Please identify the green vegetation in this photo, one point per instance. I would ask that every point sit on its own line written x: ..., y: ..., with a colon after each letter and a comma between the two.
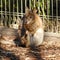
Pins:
x: 41, y: 5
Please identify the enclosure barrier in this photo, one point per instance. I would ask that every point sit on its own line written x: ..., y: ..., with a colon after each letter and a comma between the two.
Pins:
x: 12, y: 10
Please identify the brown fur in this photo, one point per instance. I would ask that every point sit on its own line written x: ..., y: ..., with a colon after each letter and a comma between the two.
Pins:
x: 32, y: 22
x: 35, y: 23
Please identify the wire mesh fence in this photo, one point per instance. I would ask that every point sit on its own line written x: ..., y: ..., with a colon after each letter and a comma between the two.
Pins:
x: 12, y: 10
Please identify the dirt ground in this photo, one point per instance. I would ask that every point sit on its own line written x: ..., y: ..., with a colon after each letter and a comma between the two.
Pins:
x: 49, y: 50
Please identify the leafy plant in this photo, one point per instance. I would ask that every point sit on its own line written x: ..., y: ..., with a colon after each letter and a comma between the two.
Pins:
x: 42, y: 6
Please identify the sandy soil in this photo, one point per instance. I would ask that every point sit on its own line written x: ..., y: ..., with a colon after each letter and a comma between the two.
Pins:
x: 49, y: 50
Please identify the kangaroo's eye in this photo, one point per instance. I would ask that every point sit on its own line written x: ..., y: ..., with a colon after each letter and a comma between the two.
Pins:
x: 30, y: 16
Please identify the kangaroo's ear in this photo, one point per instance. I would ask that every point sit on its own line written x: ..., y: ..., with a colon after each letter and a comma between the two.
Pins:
x: 26, y: 10
x: 34, y: 10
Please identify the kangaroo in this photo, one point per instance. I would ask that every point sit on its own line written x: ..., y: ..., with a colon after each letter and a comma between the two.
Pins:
x: 34, y: 28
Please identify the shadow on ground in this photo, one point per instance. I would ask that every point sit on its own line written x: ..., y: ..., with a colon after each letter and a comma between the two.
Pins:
x: 9, y: 54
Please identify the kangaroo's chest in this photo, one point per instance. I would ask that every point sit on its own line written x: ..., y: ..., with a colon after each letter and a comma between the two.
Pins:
x: 37, y: 38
